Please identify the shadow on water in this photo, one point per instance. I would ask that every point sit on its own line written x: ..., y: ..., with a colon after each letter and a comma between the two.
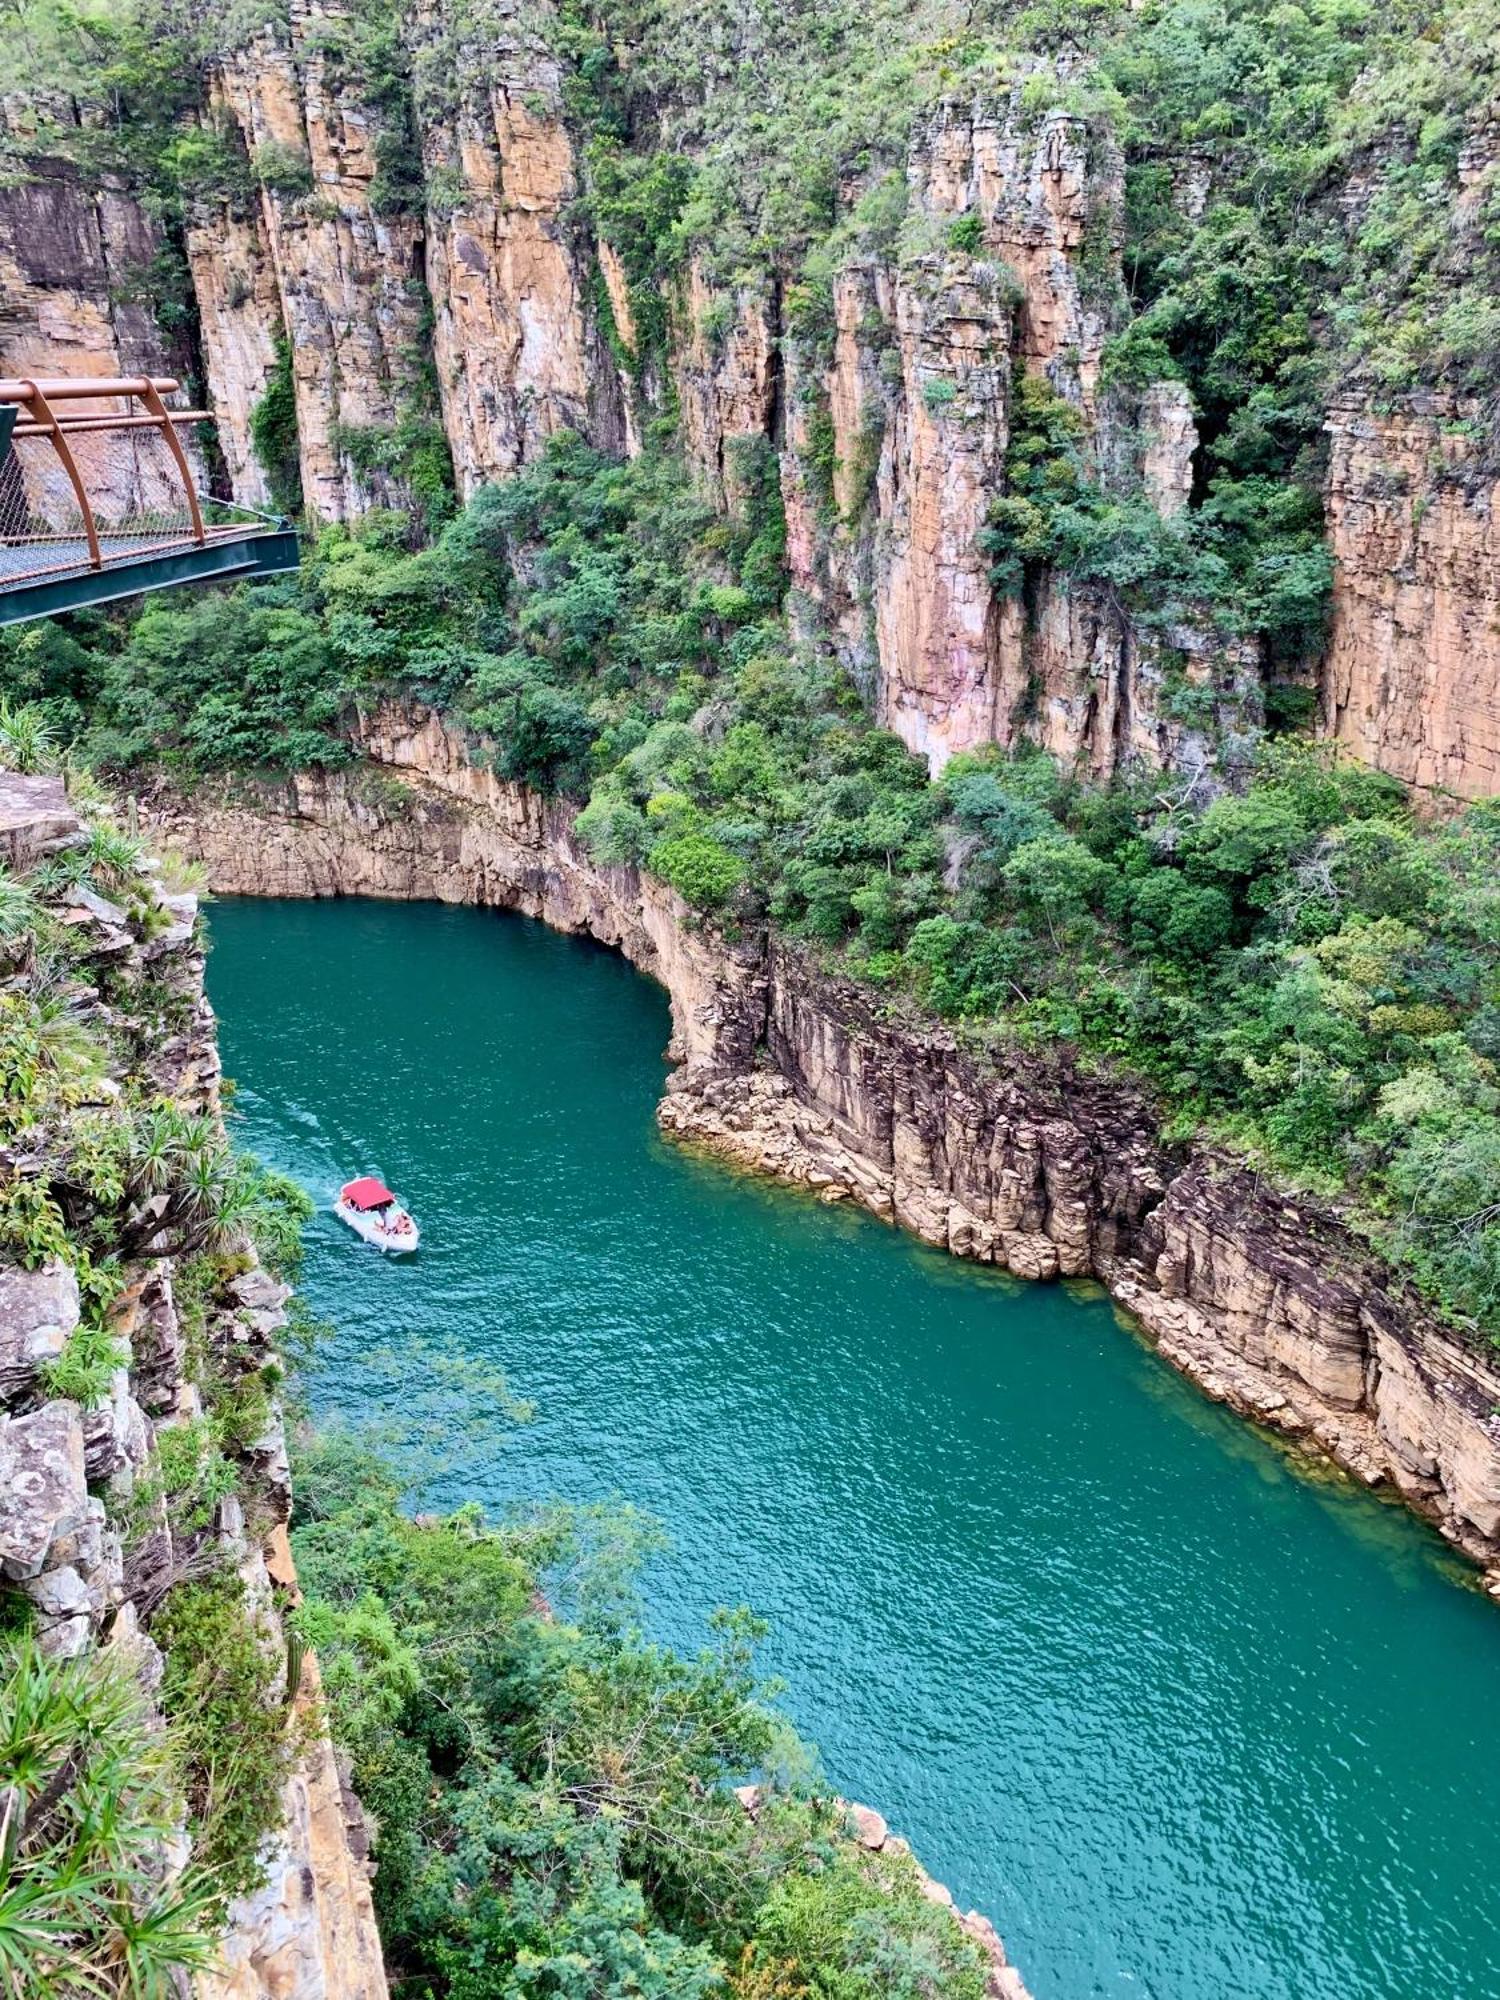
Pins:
x: 1186, y: 1718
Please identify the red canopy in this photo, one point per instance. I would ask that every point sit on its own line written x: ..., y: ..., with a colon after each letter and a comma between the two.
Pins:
x: 367, y: 1193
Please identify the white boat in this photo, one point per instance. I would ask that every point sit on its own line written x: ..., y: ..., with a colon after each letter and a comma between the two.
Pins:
x: 373, y: 1212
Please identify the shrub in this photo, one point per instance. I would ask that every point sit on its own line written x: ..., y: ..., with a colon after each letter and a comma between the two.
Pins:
x: 87, y: 1808
x: 966, y: 232
x: 860, y: 1929
x: 85, y: 1370
x: 221, y: 1692
x: 701, y: 870
x: 284, y: 170
x: 273, y: 432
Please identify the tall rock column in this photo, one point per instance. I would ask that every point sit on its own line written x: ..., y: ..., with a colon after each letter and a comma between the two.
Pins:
x: 1003, y: 207
x: 518, y: 348
x: 726, y: 368
x: 241, y: 327
x: 936, y: 615
x: 347, y: 265
x: 1411, y: 678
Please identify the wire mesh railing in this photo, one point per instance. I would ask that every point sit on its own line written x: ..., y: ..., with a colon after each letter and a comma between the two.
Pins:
x: 94, y: 471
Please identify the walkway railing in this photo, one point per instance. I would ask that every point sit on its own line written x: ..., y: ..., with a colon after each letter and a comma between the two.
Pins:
x: 95, y: 477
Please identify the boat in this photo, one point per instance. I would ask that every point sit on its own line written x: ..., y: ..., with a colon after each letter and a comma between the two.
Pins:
x: 373, y: 1212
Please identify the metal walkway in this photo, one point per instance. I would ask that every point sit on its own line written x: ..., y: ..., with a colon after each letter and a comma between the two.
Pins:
x: 99, y: 501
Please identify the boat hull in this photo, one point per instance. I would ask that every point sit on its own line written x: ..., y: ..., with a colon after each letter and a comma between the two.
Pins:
x: 368, y: 1226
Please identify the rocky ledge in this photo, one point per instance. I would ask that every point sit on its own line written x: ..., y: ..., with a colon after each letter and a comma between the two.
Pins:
x: 69, y: 1471
x: 1032, y: 1164
x: 869, y: 1830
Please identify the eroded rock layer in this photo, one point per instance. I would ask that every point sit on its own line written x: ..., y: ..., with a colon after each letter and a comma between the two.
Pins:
x: 1412, y: 676
x: 71, y: 1472
x: 1029, y: 1164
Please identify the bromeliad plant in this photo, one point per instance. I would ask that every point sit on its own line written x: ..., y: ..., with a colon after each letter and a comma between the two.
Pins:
x: 88, y: 1804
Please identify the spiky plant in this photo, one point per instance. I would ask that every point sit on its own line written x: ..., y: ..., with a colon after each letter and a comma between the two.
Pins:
x: 114, y: 857
x: 180, y: 875
x: 87, y: 1807
x: 27, y: 742
x: 156, y: 1146
x: 66, y: 1046
x: 18, y: 911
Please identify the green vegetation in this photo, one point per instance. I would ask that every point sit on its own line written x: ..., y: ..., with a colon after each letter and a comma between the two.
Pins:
x: 1305, y: 970
x: 222, y: 1695
x: 273, y: 432
x: 1302, y: 968
x: 87, y: 1804
x: 554, y: 1795
x: 105, y: 1168
x: 1292, y: 214
x: 1253, y: 558
x: 85, y: 1369
x: 1296, y: 215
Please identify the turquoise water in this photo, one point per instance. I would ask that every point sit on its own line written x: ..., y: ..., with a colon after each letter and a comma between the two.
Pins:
x: 1187, y: 1723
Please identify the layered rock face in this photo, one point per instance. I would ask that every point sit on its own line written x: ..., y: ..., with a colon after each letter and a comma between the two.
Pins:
x: 366, y: 282
x: 1411, y: 680
x: 326, y: 267
x: 78, y: 285
x: 71, y: 1472
x: 896, y: 426
x: 480, y: 300
x: 1271, y: 1307
x: 239, y: 317
x: 892, y: 424
x: 518, y: 351
x: 892, y: 436
x: 726, y: 369
x: 76, y: 291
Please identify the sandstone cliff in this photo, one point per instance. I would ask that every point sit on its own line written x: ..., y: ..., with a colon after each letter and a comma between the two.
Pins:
x: 415, y: 230
x: 894, y: 422
x: 516, y: 343
x: 470, y: 270
x: 416, y: 242
x: 344, y: 285
x: 1270, y: 1305
x: 1412, y: 677
x: 71, y: 1474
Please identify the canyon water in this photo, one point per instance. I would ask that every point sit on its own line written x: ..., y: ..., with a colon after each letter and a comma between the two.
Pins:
x: 1188, y: 1721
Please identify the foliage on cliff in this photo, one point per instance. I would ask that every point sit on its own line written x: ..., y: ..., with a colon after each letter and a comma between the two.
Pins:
x: 87, y: 1805
x: 1306, y: 969
x: 1251, y: 558
x: 1310, y: 199
x: 1309, y: 191
x: 555, y: 1798
x: 112, y: 1159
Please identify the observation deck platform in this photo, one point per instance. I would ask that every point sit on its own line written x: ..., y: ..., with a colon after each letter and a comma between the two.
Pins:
x: 99, y: 500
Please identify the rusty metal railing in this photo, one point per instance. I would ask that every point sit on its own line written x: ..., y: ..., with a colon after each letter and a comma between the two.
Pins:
x: 95, y: 472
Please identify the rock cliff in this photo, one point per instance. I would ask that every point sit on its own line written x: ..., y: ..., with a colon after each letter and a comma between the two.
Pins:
x: 86, y: 1534
x: 516, y: 344
x: 326, y: 265
x: 457, y: 293
x: 1412, y: 676
x: 1271, y: 1305
x: 895, y: 420
x: 411, y: 229
x: 76, y: 258
x: 410, y: 217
